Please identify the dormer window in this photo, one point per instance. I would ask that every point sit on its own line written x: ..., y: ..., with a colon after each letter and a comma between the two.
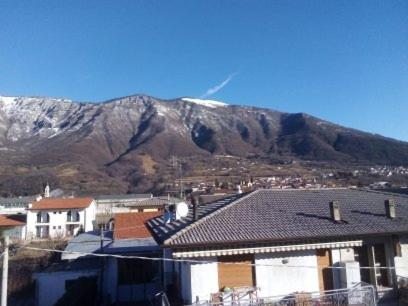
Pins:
x: 73, y: 216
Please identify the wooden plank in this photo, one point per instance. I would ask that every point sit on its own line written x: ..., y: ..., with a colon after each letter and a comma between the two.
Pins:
x: 325, y: 274
x: 239, y: 274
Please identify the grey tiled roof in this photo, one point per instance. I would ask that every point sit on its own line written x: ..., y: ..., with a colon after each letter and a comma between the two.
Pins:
x: 162, y: 231
x: 152, y: 202
x: 287, y: 215
x: 20, y: 201
x: 90, y: 242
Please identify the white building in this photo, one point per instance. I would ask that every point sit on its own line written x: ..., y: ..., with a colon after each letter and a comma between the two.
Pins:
x: 119, y: 203
x: 60, y: 217
x: 17, y: 205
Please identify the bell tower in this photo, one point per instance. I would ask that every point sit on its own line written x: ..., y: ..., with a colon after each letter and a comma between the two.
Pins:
x: 47, y: 191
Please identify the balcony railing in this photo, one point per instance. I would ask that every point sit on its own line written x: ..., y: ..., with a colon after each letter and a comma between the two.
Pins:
x: 359, y: 295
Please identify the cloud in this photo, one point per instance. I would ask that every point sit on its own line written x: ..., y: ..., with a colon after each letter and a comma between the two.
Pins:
x: 218, y: 87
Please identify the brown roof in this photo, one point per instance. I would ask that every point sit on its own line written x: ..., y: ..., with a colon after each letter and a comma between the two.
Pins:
x: 59, y: 203
x: 12, y: 220
x: 133, y: 225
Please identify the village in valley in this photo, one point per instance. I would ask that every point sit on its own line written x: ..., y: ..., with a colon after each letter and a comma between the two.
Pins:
x: 217, y: 243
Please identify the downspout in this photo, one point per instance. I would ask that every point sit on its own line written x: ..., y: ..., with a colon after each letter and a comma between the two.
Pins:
x: 85, y: 220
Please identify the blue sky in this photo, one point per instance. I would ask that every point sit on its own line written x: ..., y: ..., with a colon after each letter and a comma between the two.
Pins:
x: 343, y: 61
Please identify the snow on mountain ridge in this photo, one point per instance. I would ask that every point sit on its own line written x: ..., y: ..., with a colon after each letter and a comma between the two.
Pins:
x: 8, y: 100
x: 207, y: 103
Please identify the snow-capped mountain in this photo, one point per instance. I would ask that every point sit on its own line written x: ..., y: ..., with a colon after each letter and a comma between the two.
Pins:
x: 123, y: 141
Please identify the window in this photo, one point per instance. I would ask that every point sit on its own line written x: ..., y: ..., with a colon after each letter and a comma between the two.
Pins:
x: 72, y: 229
x: 59, y: 226
x: 43, y: 217
x: 72, y: 216
x: 41, y: 231
x: 53, y: 227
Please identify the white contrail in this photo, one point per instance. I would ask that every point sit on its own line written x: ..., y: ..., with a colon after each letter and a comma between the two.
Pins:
x: 218, y: 87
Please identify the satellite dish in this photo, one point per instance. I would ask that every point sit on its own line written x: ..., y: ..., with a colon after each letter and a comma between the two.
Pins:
x: 181, y: 210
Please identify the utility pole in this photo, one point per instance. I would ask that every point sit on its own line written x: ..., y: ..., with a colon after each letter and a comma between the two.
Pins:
x: 102, y: 265
x: 181, y: 179
x: 4, y: 278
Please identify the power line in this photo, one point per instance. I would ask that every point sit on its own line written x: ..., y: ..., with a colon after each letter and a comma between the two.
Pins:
x: 199, y: 261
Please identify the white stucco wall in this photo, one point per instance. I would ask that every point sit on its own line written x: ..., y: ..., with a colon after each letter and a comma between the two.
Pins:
x: 89, y: 216
x: 58, y: 218
x: 51, y: 286
x: 401, y: 263
x: 281, y: 279
x: 199, y: 280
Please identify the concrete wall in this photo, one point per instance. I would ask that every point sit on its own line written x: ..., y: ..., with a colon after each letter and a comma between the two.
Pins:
x: 58, y: 221
x: 198, y: 280
x: 401, y: 263
x: 281, y: 279
x: 51, y: 286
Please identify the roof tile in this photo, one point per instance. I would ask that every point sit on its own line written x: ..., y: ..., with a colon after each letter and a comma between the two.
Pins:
x: 61, y: 203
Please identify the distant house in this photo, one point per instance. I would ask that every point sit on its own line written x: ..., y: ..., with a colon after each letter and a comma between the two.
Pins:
x: 110, y: 204
x: 60, y: 217
x: 13, y: 226
x: 279, y: 242
x: 17, y: 205
x: 106, y: 211
x: 124, y: 280
x: 151, y: 205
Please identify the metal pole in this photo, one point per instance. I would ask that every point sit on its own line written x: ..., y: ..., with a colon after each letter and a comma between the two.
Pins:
x: 4, y: 278
x: 102, y: 265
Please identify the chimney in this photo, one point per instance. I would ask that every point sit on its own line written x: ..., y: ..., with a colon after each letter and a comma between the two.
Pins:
x: 195, y: 207
x: 335, y: 211
x: 389, y: 208
x: 195, y: 202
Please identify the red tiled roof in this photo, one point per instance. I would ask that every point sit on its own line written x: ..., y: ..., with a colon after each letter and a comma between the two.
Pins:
x: 60, y: 203
x: 13, y: 220
x: 133, y: 225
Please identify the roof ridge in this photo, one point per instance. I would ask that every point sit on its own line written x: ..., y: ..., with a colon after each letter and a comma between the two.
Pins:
x: 394, y: 194
x: 210, y: 215
x: 305, y: 189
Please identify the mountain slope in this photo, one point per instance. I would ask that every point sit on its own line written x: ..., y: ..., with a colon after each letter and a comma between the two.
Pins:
x: 127, y: 142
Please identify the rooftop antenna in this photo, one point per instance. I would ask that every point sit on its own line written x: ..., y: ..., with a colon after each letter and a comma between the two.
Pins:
x: 177, y: 163
x: 181, y: 179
